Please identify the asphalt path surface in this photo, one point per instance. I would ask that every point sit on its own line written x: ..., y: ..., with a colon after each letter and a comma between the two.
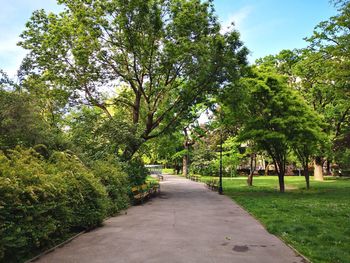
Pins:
x: 185, y: 223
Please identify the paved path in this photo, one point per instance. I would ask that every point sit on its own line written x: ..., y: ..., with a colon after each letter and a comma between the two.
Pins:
x: 186, y: 223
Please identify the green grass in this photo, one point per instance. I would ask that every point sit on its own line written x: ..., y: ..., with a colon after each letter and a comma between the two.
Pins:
x: 167, y: 171
x: 151, y: 179
x: 316, y: 222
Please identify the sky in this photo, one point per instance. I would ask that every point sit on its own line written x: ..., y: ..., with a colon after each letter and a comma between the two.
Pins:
x: 266, y: 26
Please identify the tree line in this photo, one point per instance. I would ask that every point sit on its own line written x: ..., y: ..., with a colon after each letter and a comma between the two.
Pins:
x: 292, y: 107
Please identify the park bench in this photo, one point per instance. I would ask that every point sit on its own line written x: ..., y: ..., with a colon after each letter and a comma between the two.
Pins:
x: 154, y: 188
x: 141, y: 193
x: 137, y: 194
x: 213, y: 184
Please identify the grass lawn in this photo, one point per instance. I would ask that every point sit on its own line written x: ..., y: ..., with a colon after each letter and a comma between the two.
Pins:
x: 167, y: 171
x: 316, y: 222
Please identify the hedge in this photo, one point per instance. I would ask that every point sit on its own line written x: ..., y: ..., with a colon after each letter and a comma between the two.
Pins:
x: 43, y: 201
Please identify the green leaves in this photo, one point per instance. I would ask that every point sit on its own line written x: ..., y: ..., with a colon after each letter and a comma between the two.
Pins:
x: 277, y: 118
x: 168, y: 53
x: 21, y: 122
x: 45, y: 201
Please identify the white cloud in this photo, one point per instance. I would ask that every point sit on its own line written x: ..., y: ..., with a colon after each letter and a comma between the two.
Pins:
x: 238, y: 18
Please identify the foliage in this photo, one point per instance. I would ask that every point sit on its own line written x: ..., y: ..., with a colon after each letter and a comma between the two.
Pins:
x: 43, y: 201
x: 320, y: 73
x: 22, y: 124
x: 115, y: 180
x: 343, y: 159
x: 168, y: 56
x: 165, y: 149
x: 279, y: 119
x: 206, y: 156
x: 136, y: 171
x: 87, y: 197
x: 95, y: 137
x: 203, y: 161
x: 332, y: 38
x: 34, y: 210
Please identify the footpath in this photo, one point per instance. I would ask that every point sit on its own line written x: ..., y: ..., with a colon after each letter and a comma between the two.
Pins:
x: 186, y: 223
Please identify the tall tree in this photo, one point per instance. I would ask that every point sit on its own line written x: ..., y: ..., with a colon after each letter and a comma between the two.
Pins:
x: 308, y: 140
x: 278, y: 118
x: 328, y: 61
x: 312, y: 73
x: 168, y: 53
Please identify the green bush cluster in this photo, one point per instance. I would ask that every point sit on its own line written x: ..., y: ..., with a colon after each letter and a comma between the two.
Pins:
x: 44, y: 200
x: 137, y: 172
x: 115, y: 181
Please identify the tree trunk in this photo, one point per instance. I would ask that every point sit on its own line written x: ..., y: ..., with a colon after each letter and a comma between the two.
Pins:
x: 281, y: 181
x: 318, y: 172
x: 129, y: 151
x: 136, y: 108
x: 280, y: 169
x: 307, y: 177
x: 266, y: 168
x: 185, y: 165
x: 329, y: 167
x: 252, y: 169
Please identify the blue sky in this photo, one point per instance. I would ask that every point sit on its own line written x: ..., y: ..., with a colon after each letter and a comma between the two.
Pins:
x: 266, y: 26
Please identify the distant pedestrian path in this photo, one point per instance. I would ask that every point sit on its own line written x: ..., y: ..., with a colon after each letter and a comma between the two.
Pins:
x: 186, y: 223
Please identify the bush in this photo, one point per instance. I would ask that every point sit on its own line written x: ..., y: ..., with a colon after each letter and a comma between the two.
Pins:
x: 87, y: 197
x: 31, y: 205
x: 261, y: 172
x: 243, y: 171
x: 116, y: 182
x: 41, y: 201
x: 136, y: 171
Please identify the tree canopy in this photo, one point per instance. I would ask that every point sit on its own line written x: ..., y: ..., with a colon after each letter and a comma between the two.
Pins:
x: 162, y: 56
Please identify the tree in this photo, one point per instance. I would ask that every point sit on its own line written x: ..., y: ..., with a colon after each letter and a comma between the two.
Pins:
x: 325, y: 69
x: 22, y: 121
x: 308, y: 139
x: 166, y: 150
x: 279, y: 118
x: 168, y: 53
x: 332, y: 39
x: 311, y: 72
x: 95, y: 137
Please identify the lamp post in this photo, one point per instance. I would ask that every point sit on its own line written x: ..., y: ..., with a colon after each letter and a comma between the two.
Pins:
x: 220, y: 172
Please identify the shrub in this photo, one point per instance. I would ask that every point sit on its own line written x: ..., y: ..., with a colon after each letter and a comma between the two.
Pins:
x: 136, y: 171
x: 243, y: 171
x: 116, y: 182
x: 86, y: 195
x: 33, y: 210
x: 42, y: 201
